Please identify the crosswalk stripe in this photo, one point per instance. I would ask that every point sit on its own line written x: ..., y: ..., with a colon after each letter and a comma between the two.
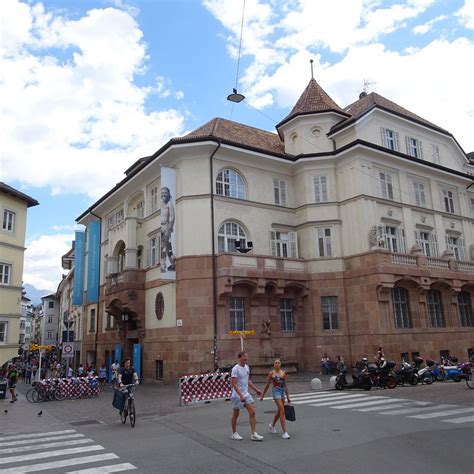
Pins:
x: 34, y: 447
x: 57, y: 464
x: 35, y: 435
x: 325, y: 399
x: 59, y: 452
x: 442, y: 413
x: 464, y: 419
x: 366, y: 403
x: 341, y: 402
x: 308, y: 394
x: 48, y: 438
x: 405, y: 404
x: 414, y: 410
x: 112, y: 468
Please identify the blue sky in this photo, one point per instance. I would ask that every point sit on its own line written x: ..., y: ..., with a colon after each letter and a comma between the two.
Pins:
x: 91, y: 86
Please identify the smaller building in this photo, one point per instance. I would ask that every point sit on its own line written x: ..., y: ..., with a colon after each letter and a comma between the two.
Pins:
x: 50, y: 321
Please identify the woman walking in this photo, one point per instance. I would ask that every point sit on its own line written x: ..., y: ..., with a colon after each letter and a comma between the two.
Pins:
x: 277, y: 378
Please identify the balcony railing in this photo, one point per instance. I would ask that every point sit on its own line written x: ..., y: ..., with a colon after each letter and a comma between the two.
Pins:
x: 434, y: 262
x: 466, y: 266
x: 403, y: 259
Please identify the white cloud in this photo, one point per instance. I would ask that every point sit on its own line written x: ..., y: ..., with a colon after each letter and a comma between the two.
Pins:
x: 466, y: 14
x: 73, y: 118
x: 43, y: 260
x: 424, y: 28
x: 432, y: 80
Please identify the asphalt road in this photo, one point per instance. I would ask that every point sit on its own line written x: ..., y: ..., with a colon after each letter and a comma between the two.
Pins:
x: 406, y: 430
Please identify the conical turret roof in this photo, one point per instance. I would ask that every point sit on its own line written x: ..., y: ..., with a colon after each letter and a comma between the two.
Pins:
x: 314, y: 99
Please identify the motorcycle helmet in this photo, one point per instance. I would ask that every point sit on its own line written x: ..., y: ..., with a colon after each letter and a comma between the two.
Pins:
x: 364, y: 359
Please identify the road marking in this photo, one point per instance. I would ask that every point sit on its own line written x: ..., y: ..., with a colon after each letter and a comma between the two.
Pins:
x: 464, y: 419
x: 339, y: 402
x: 397, y: 405
x: 309, y: 394
x: 442, y: 413
x: 414, y: 410
x: 34, y: 447
x: 98, y: 470
x: 57, y: 464
x: 320, y: 397
x: 325, y: 399
x: 366, y: 404
x: 36, y: 435
x: 48, y: 438
x: 59, y: 452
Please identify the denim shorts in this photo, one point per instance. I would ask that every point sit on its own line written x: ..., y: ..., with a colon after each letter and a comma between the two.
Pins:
x: 278, y: 393
x: 237, y: 403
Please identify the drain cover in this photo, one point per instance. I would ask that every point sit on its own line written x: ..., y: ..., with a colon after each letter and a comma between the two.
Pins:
x: 85, y: 422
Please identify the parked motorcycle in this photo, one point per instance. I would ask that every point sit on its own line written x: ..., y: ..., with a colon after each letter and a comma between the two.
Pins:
x: 383, y: 376
x: 360, y: 381
x: 407, y: 374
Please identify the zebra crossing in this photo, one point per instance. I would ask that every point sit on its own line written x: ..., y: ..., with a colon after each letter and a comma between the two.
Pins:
x: 63, y: 450
x: 383, y: 405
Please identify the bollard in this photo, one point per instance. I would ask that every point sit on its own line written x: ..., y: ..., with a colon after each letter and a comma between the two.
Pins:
x: 332, y: 381
x: 316, y: 384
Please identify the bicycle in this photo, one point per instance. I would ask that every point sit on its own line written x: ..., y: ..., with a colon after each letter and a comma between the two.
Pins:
x: 470, y: 379
x: 129, y: 408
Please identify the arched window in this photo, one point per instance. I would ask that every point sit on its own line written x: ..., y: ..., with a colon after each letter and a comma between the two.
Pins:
x: 435, y: 309
x: 121, y: 258
x: 230, y: 183
x: 465, y: 309
x: 228, y: 234
x: 401, y: 308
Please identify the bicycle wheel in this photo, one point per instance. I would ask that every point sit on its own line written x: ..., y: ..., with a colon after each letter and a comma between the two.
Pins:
x: 123, y: 415
x: 38, y: 396
x: 30, y: 395
x: 470, y: 380
x: 60, y: 394
x: 131, y: 412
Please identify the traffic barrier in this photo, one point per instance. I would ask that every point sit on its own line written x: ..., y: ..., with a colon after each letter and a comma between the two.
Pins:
x: 204, y: 387
x: 73, y: 388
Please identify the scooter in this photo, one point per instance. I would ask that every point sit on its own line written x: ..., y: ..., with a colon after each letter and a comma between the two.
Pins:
x: 360, y: 381
x: 425, y: 376
x: 407, y: 374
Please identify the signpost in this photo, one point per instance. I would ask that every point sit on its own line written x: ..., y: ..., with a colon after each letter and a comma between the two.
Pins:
x: 68, y: 350
x: 242, y: 335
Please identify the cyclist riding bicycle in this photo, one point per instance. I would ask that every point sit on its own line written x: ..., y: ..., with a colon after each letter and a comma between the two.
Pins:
x: 127, y: 375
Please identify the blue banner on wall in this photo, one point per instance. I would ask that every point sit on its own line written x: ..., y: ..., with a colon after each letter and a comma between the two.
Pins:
x: 79, y: 257
x: 137, y: 359
x: 118, y: 353
x: 93, y: 262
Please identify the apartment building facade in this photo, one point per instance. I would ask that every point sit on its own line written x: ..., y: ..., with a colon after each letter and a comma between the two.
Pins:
x: 347, y: 229
x: 50, y: 320
x: 13, y: 208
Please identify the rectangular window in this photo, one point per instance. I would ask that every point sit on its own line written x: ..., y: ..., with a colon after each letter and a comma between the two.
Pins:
x: 435, y: 154
x: 448, y: 198
x: 471, y: 205
x: 50, y: 304
x: 401, y: 308
x: 435, y: 309
x: 5, y: 273
x: 284, y: 244
x: 140, y: 210
x: 279, y: 192
x: 394, y: 239
x: 3, y: 332
x: 465, y: 309
x: 324, y: 242
x: 404, y: 357
x: 330, y: 312
x: 49, y: 334
x: 237, y: 314
x: 320, y: 188
x: 92, y: 320
x: 386, y: 185
x: 8, y: 220
x: 154, y: 199
x: 119, y: 216
x: 286, y: 315
x: 414, y: 147
x: 50, y: 319
x: 427, y: 242
x: 420, y: 196
x: 153, y: 251
x: 456, y: 245
x: 390, y: 139
x: 109, y: 321
x: 110, y: 222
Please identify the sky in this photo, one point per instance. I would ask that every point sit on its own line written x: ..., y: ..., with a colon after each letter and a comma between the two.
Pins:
x: 89, y: 86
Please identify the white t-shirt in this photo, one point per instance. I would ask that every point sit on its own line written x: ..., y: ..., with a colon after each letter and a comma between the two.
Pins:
x: 242, y: 375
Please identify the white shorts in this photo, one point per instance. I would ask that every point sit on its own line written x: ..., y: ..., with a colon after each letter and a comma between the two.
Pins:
x: 237, y: 403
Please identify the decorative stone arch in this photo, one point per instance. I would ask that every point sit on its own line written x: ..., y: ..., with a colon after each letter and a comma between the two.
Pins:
x: 117, y: 259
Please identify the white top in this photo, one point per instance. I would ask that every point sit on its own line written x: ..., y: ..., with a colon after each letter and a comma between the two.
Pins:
x: 242, y: 376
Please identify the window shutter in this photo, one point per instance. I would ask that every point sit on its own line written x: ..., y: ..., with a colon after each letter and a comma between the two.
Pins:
x: 276, y: 191
x: 397, y: 141
x: 324, y: 188
x: 382, y: 133
x: 422, y: 195
x: 420, y: 148
x: 293, y: 238
x: 462, y: 249
x: 282, y: 193
x: 417, y: 193
x: 329, y: 245
x: 320, y: 240
x: 273, y: 249
x: 434, y: 244
x: 383, y: 183
x: 148, y: 254
x: 403, y: 241
x: 417, y: 238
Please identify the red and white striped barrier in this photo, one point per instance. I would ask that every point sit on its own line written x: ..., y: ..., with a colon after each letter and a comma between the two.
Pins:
x: 204, y: 387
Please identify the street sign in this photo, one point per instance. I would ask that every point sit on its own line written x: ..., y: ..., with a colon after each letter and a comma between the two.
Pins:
x: 68, y: 350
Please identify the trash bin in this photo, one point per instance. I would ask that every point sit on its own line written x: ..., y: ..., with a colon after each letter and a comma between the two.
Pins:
x: 3, y: 389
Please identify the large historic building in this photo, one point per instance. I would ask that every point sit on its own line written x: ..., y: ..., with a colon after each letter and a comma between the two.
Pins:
x: 347, y: 229
x: 13, y: 207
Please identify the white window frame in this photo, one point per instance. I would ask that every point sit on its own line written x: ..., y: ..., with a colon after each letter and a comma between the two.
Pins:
x: 154, y: 199
x: 279, y: 192
x: 321, y: 188
x: 3, y: 332
x: 428, y: 242
x: 140, y: 209
x: 394, y: 238
x: 283, y: 244
x: 230, y: 183
x: 324, y: 242
x: 9, y: 220
x: 390, y: 139
x: 456, y: 245
x: 287, y: 321
x: 50, y: 319
x: 414, y: 147
x: 420, y: 193
x: 330, y: 313
x: 5, y: 273
x: 119, y: 216
x: 435, y: 154
x: 153, y: 251
x: 448, y: 200
x: 228, y: 233
x: 386, y: 185
x: 49, y: 334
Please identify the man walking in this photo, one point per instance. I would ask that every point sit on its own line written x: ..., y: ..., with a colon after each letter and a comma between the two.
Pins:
x: 241, y: 397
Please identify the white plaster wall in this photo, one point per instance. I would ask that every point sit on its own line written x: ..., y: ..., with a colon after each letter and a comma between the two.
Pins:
x: 169, y: 316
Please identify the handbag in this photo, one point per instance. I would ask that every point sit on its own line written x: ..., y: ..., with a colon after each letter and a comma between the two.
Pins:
x: 290, y: 414
x: 119, y: 400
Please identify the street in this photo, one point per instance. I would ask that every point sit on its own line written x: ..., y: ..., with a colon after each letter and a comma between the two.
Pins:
x: 408, y: 429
